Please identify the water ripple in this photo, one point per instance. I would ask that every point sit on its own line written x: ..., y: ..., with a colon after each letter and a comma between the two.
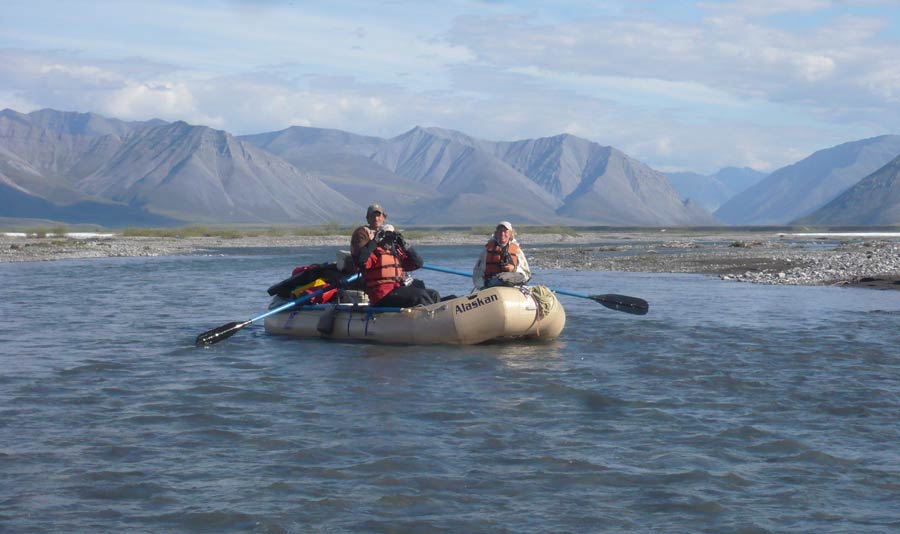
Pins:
x: 728, y: 408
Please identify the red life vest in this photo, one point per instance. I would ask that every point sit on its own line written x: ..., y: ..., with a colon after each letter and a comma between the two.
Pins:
x: 495, y: 254
x: 384, y: 273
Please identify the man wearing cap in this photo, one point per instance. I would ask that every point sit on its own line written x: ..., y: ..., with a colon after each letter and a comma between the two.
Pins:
x: 384, y: 258
x: 502, y: 262
x: 375, y: 217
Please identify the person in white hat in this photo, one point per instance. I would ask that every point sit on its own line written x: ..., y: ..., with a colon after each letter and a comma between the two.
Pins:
x: 502, y: 262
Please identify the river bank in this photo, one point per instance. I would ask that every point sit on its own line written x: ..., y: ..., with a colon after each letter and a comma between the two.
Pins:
x: 853, y: 260
x: 865, y: 260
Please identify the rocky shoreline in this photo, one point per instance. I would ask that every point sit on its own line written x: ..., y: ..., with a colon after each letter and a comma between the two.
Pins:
x: 755, y: 257
x: 856, y: 261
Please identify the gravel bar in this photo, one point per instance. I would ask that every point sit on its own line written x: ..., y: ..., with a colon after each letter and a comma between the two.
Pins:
x: 754, y: 257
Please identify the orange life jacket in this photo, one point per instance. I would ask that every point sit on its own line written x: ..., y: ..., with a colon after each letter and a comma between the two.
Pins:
x: 384, y: 272
x: 495, y: 254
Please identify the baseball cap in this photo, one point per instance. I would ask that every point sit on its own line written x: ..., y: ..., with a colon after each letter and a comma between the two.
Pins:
x: 375, y: 207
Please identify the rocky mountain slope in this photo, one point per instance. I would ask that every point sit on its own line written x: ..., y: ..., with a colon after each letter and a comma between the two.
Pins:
x: 80, y: 166
x: 437, y: 175
x: 797, y: 190
x: 874, y: 200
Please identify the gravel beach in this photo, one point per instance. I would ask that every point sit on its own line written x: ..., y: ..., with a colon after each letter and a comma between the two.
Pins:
x: 863, y: 260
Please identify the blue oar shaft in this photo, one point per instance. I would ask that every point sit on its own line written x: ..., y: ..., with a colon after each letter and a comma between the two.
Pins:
x: 463, y: 273
x: 445, y: 270
x: 570, y: 293
x: 355, y: 309
x: 623, y: 303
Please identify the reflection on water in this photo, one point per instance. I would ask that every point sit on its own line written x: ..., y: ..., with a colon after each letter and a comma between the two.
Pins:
x: 530, y: 355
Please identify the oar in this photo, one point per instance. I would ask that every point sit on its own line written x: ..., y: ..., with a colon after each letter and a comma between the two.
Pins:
x: 225, y: 331
x: 622, y: 303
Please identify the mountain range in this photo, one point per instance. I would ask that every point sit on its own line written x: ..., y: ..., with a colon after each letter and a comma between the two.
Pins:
x: 154, y: 172
x: 795, y: 191
x: 82, y: 167
x: 437, y: 175
x: 178, y: 172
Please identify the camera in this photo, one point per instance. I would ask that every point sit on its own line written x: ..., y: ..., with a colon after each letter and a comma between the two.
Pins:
x: 388, y: 237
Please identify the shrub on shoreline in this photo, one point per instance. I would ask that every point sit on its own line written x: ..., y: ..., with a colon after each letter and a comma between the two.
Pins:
x: 186, y: 231
x: 537, y: 230
x: 231, y: 233
x: 42, y: 232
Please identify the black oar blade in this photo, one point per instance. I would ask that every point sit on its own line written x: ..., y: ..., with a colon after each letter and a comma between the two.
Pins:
x: 215, y: 335
x: 623, y: 303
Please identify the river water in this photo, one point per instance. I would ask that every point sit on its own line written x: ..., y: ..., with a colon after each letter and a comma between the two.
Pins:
x: 728, y: 408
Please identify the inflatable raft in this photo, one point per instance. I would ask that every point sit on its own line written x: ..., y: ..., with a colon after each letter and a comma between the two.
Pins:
x: 490, y: 314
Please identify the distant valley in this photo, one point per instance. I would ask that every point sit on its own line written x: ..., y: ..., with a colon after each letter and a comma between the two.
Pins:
x: 713, y: 190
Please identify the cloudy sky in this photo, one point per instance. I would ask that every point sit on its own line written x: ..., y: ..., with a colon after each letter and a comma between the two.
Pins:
x: 679, y: 84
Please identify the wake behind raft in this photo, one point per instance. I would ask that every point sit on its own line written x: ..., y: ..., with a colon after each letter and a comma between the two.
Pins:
x: 343, y: 313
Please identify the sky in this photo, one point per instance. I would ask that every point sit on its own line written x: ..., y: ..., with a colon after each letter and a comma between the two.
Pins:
x: 681, y: 85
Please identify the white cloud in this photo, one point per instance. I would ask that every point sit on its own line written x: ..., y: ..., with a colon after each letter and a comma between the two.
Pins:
x: 815, y: 69
x: 764, y: 8
x: 13, y: 101
x: 256, y: 106
x: 147, y: 99
x: 113, y: 88
x: 649, y: 91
